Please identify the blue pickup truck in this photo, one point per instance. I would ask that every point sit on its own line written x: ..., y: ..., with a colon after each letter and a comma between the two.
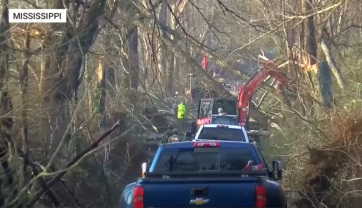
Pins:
x: 206, y: 174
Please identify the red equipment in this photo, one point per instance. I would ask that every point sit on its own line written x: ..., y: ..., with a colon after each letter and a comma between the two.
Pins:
x: 204, y: 62
x: 247, y: 91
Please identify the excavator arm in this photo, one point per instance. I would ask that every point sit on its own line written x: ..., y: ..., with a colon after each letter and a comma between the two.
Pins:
x: 247, y: 91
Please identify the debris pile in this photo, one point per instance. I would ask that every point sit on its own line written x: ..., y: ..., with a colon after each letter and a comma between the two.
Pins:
x: 334, y: 174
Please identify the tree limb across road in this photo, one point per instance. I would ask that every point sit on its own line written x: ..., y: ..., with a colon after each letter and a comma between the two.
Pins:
x: 144, y: 22
x: 75, y: 160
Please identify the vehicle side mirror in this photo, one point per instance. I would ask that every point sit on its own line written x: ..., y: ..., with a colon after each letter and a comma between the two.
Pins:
x: 277, y: 170
x: 145, y: 168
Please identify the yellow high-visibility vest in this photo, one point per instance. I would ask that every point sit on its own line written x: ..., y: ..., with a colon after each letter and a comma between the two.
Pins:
x: 181, y: 111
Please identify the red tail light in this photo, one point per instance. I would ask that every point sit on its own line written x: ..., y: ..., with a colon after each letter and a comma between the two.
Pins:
x: 257, y: 167
x: 260, y: 197
x: 207, y: 144
x: 138, y: 197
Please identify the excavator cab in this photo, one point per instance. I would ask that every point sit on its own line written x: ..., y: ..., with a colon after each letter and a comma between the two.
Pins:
x: 208, y: 112
x: 237, y: 111
x: 209, y: 106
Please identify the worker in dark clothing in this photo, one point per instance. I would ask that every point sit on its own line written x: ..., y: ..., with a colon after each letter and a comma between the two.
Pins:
x: 175, y: 108
x: 169, y: 134
x: 175, y: 105
x: 174, y: 137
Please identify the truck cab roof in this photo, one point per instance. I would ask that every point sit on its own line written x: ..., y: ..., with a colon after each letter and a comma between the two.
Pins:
x: 222, y: 132
x: 223, y: 126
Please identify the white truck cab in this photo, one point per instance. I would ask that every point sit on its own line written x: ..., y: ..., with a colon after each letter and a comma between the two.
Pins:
x: 221, y: 132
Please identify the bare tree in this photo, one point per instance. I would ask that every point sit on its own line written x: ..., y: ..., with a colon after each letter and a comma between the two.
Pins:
x: 6, y: 121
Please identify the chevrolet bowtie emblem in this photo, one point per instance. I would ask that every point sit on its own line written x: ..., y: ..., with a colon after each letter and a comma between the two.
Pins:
x: 199, y: 201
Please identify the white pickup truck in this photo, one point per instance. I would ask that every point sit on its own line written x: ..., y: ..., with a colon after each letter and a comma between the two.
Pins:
x: 221, y: 132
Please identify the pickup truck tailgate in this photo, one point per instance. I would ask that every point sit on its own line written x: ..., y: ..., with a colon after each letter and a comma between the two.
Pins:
x: 209, y: 192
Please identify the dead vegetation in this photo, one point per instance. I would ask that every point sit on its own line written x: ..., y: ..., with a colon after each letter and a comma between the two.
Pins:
x: 333, y: 175
x: 63, y: 85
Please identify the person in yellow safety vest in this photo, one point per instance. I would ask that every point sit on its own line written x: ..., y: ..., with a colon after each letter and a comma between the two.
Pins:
x: 181, y: 110
x: 181, y: 115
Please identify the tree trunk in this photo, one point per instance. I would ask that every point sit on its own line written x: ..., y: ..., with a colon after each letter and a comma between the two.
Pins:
x: 311, y: 50
x: 23, y: 90
x: 332, y: 65
x: 144, y: 52
x: 162, y: 72
x: 65, y: 62
x: 6, y: 109
x: 132, y: 40
x: 103, y: 72
x: 129, y: 57
x: 101, y: 91
x: 89, y: 78
x: 325, y: 84
x: 310, y: 34
x: 169, y: 84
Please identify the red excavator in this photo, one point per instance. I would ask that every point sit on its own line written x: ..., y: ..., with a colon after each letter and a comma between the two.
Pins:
x: 237, y: 112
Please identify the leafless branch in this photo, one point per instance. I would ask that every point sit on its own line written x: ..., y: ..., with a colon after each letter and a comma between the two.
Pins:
x: 75, y: 160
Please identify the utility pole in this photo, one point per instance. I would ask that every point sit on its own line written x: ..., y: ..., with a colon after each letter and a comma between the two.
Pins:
x: 191, y: 76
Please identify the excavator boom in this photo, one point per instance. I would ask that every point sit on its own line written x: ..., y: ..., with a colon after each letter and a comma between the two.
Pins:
x: 247, y: 91
x: 207, y: 110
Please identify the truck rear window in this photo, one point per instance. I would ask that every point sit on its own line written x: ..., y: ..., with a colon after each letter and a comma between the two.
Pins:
x: 212, y: 159
x: 222, y: 134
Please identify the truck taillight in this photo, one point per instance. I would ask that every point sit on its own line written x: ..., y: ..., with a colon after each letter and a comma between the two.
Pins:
x: 207, y: 144
x: 257, y: 167
x: 138, y: 197
x: 260, y: 197
x: 254, y: 167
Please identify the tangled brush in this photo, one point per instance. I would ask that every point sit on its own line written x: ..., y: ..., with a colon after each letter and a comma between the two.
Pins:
x: 334, y: 174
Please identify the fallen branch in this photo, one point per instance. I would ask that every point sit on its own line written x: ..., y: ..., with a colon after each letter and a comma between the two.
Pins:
x: 32, y: 165
x: 195, y: 67
x: 76, y: 159
x: 44, y: 185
